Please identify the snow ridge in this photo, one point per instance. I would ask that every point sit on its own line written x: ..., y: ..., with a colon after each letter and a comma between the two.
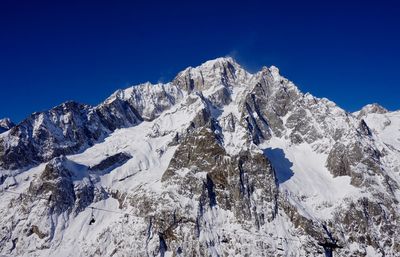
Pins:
x: 217, y: 162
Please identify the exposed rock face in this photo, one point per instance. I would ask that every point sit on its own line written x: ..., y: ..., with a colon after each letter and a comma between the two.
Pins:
x: 215, y: 182
x: 229, y: 181
x: 198, y: 79
x: 72, y: 127
x: 58, y: 190
x: 218, y: 162
x: 149, y: 100
x: 66, y: 185
x: 344, y: 159
x: 367, y: 222
x: 5, y: 124
x: 42, y: 136
x: 55, y: 184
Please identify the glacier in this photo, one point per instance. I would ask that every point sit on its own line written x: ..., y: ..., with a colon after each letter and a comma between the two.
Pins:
x: 217, y: 162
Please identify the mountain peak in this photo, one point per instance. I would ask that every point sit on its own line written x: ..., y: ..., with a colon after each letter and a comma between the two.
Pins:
x: 222, y: 70
x: 226, y: 59
x: 209, y: 164
x: 371, y: 108
x: 6, y: 124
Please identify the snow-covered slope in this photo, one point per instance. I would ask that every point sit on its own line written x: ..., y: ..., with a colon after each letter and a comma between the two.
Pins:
x: 386, y: 126
x: 5, y: 124
x: 217, y: 162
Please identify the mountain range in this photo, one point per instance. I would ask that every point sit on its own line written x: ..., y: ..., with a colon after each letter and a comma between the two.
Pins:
x: 217, y: 162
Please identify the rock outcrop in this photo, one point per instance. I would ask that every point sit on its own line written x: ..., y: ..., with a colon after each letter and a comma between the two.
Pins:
x: 218, y: 162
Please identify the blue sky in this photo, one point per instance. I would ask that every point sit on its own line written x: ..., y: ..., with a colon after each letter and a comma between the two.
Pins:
x: 53, y: 51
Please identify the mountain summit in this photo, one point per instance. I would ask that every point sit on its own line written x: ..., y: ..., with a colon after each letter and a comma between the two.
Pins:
x: 5, y: 124
x: 217, y: 162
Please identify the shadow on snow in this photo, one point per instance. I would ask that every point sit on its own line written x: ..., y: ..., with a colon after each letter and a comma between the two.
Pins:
x: 281, y: 164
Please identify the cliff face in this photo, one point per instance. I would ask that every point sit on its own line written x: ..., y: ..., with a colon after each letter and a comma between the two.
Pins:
x: 5, y: 124
x: 218, y: 162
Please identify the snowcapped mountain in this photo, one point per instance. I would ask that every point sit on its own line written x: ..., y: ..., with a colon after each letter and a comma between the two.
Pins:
x: 217, y: 162
x: 5, y: 124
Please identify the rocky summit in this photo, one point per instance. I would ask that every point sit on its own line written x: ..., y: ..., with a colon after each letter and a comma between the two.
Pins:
x: 5, y: 124
x: 217, y: 162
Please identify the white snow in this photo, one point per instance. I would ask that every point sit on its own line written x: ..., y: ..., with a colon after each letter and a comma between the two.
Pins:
x: 386, y: 126
x: 150, y: 154
x: 304, y: 178
x: 301, y: 169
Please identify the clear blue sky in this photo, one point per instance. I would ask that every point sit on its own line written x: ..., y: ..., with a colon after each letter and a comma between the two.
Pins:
x: 53, y: 51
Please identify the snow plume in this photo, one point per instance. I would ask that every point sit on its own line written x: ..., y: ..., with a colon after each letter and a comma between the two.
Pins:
x: 218, y: 162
